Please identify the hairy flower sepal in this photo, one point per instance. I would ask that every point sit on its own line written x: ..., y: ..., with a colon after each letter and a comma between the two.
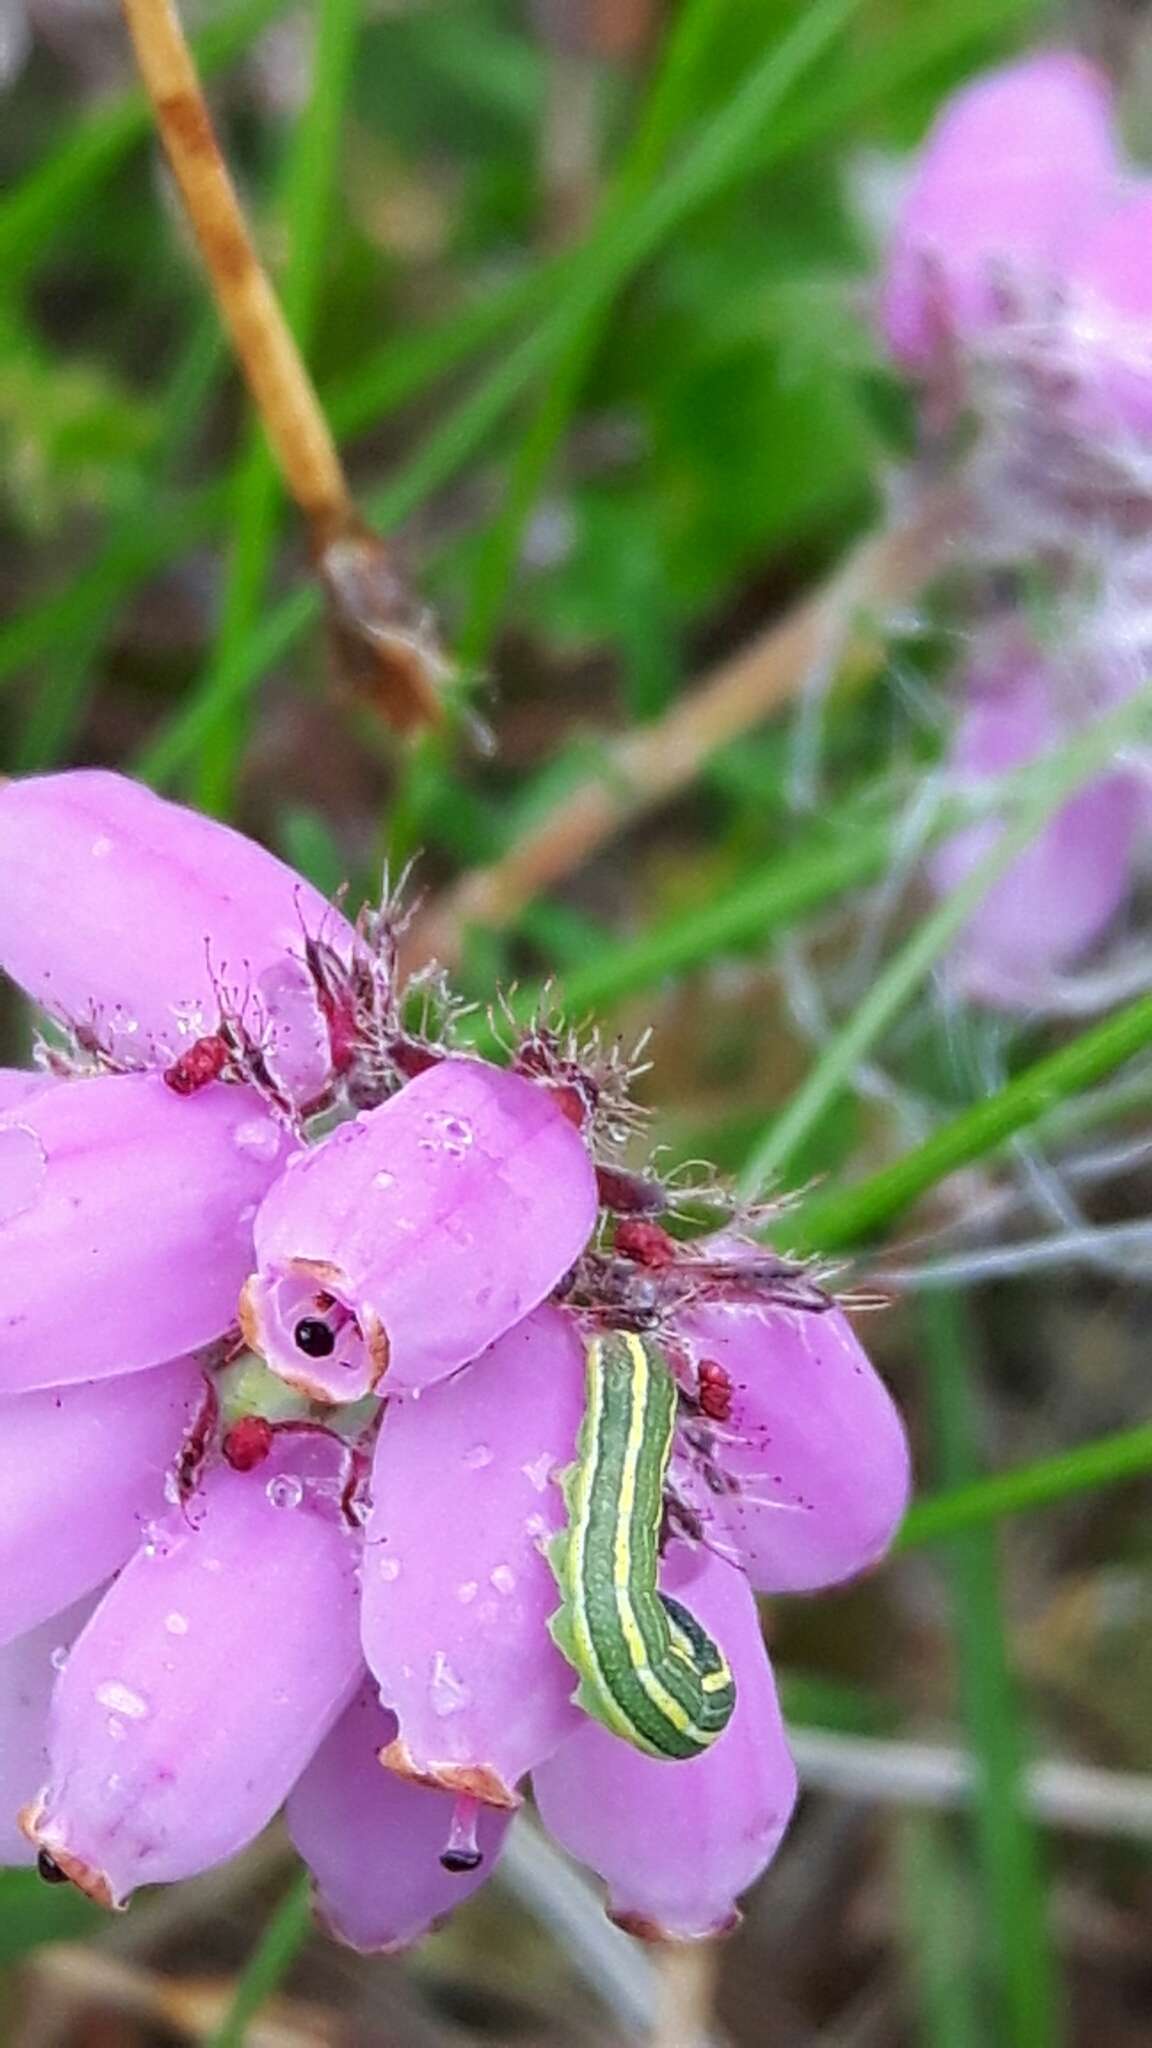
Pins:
x: 145, y: 925
x: 416, y: 1234
x: 206, y: 1678
x: 125, y: 1223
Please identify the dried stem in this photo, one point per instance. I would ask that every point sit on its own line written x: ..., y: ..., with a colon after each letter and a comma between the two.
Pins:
x: 277, y: 378
x: 836, y: 626
x: 384, y: 641
x: 687, y: 1973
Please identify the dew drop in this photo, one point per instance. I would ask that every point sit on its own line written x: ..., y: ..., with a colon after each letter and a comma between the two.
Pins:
x: 59, y: 1657
x: 538, y: 1527
x: 389, y: 1569
x: 467, y: 1592
x: 503, y: 1578
x: 449, y: 1694
x: 23, y: 1165
x: 120, y: 1699
x: 383, y: 1179
x: 258, y: 1137
x: 479, y: 1456
x: 539, y: 1470
x: 176, y: 1624
x: 285, y: 1491
x: 101, y: 847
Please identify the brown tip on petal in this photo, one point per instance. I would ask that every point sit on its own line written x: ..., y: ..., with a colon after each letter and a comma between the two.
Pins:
x: 643, y: 1929
x: 248, y: 1315
x: 378, y: 1346
x: 465, y: 1781
x: 92, y: 1883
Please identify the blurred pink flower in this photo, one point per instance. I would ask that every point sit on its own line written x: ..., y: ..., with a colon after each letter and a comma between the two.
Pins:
x: 331, y: 1559
x: 1016, y: 168
x: 1059, y: 898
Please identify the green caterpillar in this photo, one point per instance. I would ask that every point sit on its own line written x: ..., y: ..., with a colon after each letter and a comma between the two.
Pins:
x: 647, y: 1668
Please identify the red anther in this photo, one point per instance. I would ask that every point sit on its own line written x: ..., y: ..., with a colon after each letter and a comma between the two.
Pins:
x: 714, y: 1390
x: 630, y: 1194
x: 572, y: 1100
x: 647, y: 1243
x: 248, y: 1442
x: 202, y: 1062
x: 410, y: 1058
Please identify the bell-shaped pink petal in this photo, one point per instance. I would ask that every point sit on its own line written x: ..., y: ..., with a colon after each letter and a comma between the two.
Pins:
x: 373, y: 1842
x: 125, y: 1223
x: 418, y: 1233
x: 813, y: 1456
x: 208, y: 1675
x: 28, y: 1671
x: 678, y: 1842
x: 83, y: 1470
x: 1014, y: 169
x: 19, y: 1084
x: 457, y: 1589
x: 131, y: 914
x: 1059, y: 897
x: 1112, y: 314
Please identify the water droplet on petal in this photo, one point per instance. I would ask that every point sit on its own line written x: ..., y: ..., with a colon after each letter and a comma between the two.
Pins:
x: 389, y: 1568
x: 59, y: 1657
x: 479, y: 1456
x: 467, y: 1592
x: 539, y: 1471
x: 449, y: 1693
x: 259, y: 1137
x: 23, y: 1165
x: 383, y: 1179
x: 503, y: 1578
x: 101, y: 847
x: 285, y: 1491
x: 120, y: 1699
x: 176, y: 1624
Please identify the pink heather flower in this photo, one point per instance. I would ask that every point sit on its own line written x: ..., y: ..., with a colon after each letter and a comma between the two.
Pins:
x: 164, y: 925
x: 350, y: 1617
x: 1058, y: 899
x: 1017, y: 167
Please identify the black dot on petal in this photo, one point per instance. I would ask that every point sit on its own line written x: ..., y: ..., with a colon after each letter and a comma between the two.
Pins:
x: 314, y: 1338
x: 459, y: 1861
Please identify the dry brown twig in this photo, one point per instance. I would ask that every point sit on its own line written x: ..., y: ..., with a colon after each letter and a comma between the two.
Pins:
x: 383, y: 638
x: 836, y: 627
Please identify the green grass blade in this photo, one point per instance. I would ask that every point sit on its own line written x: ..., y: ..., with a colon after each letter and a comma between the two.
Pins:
x: 1105, y: 1461
x: 309, y: 189
x: 1063, y: 773
x: 71, y: 675
x: 938, y: 1934
x: 1013, y: 1900
x: 718, y: 157
x: 50, y: 195
x: 281, y: 1943
x: 851, y: 1216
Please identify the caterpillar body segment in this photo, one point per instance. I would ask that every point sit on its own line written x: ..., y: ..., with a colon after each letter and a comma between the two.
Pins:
x: 647, y: 1668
